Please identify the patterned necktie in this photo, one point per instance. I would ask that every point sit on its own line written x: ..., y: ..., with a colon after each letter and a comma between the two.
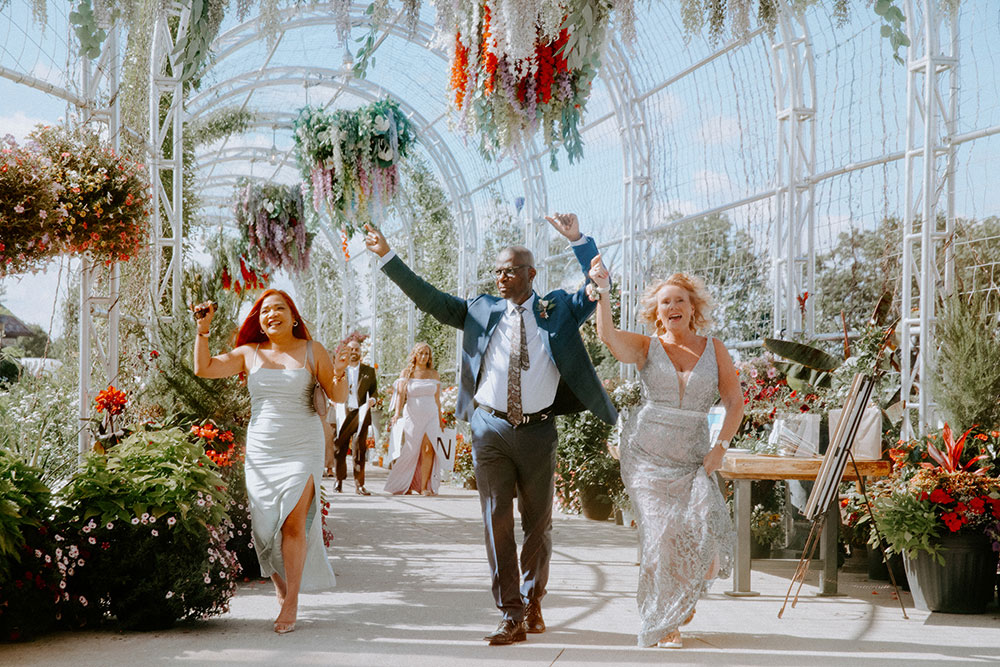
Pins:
x: 518, y: 361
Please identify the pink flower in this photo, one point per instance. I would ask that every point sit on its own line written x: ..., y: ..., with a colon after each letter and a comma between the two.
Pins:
x: 18, y: 209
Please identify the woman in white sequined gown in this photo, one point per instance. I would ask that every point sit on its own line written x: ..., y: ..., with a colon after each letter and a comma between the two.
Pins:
x: 686, y: 535
x: 285, y: 446
x: 417, y: 400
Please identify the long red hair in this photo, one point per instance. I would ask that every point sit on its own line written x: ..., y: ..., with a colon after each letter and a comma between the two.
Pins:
x: 250, y: 331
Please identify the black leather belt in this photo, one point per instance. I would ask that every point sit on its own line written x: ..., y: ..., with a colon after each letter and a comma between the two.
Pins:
x: 533, y: 418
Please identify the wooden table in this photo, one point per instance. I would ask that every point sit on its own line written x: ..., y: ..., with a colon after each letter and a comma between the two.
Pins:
x: 744, y: 468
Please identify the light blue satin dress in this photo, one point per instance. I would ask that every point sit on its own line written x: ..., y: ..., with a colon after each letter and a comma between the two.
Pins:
x: 285, y: 447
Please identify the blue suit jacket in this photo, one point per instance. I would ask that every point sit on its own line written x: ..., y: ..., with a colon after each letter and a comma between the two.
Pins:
x: 579, y: 388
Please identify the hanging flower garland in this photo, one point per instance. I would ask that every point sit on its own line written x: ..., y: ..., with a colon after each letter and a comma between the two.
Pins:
x: 272, y: 223
x: 350, y: 158
x: 67, y: 191
x: 521, y: 67
x: 231, y: 266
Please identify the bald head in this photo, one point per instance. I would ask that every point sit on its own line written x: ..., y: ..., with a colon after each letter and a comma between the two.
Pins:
x: 518, y: 253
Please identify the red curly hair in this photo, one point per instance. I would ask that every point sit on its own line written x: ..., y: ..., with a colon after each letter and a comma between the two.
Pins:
x: 250, y: 331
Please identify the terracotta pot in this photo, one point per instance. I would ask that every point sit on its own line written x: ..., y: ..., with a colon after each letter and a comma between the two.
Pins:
x: 963, y: 585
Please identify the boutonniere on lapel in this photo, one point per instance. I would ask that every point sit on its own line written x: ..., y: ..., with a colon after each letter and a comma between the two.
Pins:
x: 544, y: 307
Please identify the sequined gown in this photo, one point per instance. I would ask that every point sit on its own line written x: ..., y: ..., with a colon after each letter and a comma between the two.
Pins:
x: 685, y: 530
x: 285, y: 447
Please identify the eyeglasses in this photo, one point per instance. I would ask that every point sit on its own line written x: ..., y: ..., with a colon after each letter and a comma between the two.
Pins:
x: 509, y: 271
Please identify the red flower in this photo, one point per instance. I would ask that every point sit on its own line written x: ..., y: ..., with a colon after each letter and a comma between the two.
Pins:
x: 939, y: 496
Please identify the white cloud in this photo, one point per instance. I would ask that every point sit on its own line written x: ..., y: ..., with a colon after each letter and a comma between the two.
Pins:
x: 719, y: 129
x: 19, y: 124
x: 712, y: 184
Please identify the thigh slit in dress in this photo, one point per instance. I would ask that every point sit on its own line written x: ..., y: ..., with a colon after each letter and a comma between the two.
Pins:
x: 285, y: 448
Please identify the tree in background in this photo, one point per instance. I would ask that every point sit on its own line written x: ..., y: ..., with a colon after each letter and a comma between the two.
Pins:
x: 723, y: 256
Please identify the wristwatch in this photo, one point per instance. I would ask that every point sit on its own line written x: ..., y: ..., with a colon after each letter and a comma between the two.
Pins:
x: 723, y: 442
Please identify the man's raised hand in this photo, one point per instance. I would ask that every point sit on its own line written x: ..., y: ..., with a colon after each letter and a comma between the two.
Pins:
x: 566, y: 224
x: 375, y: 242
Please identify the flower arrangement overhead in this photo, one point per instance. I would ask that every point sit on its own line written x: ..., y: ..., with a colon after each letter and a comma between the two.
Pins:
x: 69, y: 192
x: 272, y: 225
x: 231, y: 268
x: 350, y: 159
x: 523, y: 65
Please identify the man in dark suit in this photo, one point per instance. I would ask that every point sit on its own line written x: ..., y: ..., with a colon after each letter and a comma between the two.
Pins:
x: 362, y: 388
x: 523, y: 362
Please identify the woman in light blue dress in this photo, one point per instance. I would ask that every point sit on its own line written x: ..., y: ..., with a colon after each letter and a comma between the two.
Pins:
x: 686, y: 536
x: 285, y: 445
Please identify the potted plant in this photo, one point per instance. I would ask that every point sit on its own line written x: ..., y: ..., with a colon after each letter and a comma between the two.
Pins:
x: 766, y: 528
x: 944, y: 517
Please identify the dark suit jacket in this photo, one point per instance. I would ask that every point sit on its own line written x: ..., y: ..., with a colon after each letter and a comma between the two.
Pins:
x: 579, y: 388
x: 367, y: 383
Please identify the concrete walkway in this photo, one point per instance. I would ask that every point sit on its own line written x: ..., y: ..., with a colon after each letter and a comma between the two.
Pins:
x: 413, y: 590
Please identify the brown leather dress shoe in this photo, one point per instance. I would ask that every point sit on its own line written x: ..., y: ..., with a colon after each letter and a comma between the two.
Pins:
x: 507, y: 632
x: 533, y: 617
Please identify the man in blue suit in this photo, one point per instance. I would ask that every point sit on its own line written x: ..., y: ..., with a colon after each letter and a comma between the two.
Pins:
x: 523, y: 362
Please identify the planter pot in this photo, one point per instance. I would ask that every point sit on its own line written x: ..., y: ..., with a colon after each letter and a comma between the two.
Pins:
x: 759, y: 550
x: 878, y: 571
x: 470, y: 483
x: 595, y: 503
x: 963, y: 585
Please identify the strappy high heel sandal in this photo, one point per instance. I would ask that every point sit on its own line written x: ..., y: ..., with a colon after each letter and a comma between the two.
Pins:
x: 673, y: 640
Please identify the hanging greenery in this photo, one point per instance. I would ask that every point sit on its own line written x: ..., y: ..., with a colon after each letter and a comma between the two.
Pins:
x: 350, y: 159
x: 272, y: 224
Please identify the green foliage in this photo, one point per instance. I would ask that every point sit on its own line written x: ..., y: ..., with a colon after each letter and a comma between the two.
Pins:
x: 808, y: 367
x: 855, y: 273
x: 38, y: 423
x: 151, y: 514
x: 766, y: 526
x: 893, y: 27
x: 583, y: 460
x: 24, y: 499
x: 723, y: 256
x: 967, y: 381
x: 87, y: 32
x: 217, y: 125
x: 907, y: 523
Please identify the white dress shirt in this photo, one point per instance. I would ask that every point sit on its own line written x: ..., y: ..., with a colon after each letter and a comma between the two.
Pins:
x: 352, y: 386
x: 538, y: 383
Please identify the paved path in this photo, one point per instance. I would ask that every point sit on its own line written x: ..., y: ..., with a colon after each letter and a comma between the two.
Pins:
x: 413, y: 590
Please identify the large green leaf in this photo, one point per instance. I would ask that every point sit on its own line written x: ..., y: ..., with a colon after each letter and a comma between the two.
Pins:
x: 806, y: 367
x: 805, y: 355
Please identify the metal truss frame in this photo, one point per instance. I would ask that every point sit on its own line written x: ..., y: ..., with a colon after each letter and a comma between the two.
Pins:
x: 166, y: 88
x: 793, y: 257
x: 929, y: 214
x: 100, y: 285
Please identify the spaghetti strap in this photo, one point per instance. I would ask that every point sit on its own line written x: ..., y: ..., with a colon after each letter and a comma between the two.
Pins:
x: 253, y: 364
x: 310, y: 360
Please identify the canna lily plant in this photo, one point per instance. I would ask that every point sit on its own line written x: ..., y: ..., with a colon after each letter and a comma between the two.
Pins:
x: 950, y: 460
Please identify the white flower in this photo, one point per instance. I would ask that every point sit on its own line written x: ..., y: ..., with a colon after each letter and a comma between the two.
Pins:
x: 381, y: 124
x: 92, y: 540
x: 169, y: 595
x: 135, y: 521
x: 110, y: 525
x: 171, y: 521
x: 154, y: 533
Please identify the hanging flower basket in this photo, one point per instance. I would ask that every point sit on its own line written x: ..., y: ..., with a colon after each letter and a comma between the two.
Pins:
x: 350, y: 159
x: 30, y: 209
x: 272, y: 224
x: 69, y: 192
